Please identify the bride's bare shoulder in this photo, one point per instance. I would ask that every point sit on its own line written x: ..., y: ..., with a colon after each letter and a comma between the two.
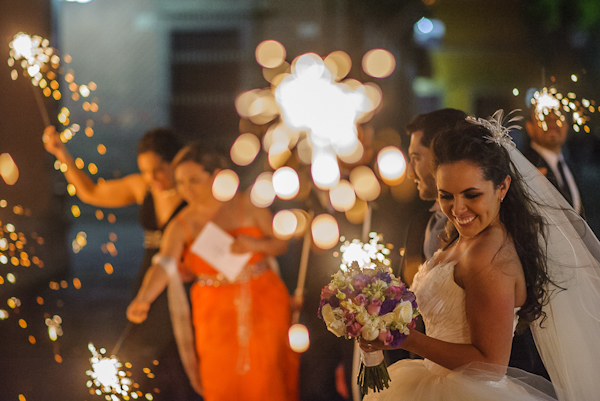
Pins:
x: 493, y: 251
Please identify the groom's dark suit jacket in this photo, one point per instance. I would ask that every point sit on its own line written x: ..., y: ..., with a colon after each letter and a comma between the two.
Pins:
x: 413, y: 246
x: 538, y: 161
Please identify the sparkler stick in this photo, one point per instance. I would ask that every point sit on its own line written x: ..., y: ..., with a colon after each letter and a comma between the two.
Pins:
x: 41, y: 107
x: 122, y: 338
x: 299, y: 292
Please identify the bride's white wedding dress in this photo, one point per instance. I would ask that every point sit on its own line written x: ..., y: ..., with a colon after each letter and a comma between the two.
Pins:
x: 442, y: 305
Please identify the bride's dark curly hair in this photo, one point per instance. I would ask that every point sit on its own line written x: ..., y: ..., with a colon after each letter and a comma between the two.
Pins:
x: 467, y: 142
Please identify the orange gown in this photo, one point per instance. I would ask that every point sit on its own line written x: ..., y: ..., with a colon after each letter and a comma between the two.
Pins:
x: 243, y: 356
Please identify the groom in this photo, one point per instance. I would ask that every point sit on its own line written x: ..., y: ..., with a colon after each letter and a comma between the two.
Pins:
x: 423, y: 237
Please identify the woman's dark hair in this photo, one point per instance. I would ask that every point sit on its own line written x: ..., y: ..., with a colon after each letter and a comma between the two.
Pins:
x: 209, y: 158
x: 467, y: 142
x: 161, y: 141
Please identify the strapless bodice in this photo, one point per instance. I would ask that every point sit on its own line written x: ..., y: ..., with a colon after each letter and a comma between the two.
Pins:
x: 442, y: 302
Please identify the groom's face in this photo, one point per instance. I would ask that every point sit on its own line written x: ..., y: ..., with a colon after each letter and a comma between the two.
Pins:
x: 420, y: 167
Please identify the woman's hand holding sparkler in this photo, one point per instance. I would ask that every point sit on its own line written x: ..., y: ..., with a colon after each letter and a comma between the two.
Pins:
x: 137, y: 311
x: 53, y: 144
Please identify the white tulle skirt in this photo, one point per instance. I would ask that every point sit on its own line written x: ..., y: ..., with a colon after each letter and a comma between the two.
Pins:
x: 414, y: 380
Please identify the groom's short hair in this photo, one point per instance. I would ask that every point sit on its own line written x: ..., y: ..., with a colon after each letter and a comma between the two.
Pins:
x: 435, y: 122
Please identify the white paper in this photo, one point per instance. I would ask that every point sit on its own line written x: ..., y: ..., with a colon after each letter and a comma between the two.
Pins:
x: 213, y: 244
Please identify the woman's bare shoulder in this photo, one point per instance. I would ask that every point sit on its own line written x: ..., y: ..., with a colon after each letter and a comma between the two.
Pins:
x: 493, y: 249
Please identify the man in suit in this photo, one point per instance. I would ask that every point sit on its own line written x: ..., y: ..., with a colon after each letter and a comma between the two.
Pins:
x: 423, y: 237
x: 545, y: 152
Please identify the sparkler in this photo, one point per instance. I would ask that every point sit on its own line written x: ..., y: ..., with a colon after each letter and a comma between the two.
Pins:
x: 315, y: 112
x: 550, y: 100
x: 107, y: 376
x: 34, y: 53
x: 365, y: 254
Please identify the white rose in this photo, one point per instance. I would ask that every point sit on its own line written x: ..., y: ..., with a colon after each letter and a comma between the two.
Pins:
x: 388, y: 318
x: 369, y: 332
x: 338, y: 328
x: 333, y: 320
x: 404, y: 312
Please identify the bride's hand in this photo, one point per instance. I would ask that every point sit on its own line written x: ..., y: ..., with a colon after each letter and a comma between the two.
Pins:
x: 372, y: 346
x: 137, y: 311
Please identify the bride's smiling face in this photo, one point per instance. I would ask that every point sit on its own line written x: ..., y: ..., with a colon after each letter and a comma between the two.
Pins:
x: 470, y: 201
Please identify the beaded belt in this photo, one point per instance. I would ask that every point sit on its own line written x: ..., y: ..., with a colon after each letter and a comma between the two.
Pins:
x: 248, y: 272
x: 152, y: 239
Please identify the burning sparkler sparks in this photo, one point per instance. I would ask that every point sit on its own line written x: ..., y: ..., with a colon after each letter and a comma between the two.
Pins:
x: 54, y: 327
x: 315, y: 112
x: 108, y: 377
x: 364, y: 254
x: 549, y: 100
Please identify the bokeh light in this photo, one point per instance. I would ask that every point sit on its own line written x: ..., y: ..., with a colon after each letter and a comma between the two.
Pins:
x: 285, y: 224
x: 339, y: 63
x: 378, y: 63
x: 299, y: 337
x: 244, y: 149
x: 8, y: 169
x: 342, y: 196
x: 325, y: 231
x: 270, y: 54
x: 225, y: 185
x: 262, y: 193
x: 286, y: 183
x: 365, y: 183
x: 391, y: 164
x: 325, y: 170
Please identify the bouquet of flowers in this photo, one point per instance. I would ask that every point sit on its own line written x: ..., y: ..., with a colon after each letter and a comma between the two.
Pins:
x: 369, y: 302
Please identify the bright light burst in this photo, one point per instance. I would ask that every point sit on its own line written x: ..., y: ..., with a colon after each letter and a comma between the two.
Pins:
x: 107, y: 376
x: 54, y: 327
x: 549, y: 100
x: 364, y: 254
x: 319, y: 112
x: 33, y: 51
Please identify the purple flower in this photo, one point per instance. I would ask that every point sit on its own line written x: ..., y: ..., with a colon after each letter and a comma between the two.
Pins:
x: 410, y: 296
x: 361, y: 299
x: 384, y: 276
x: 360, y: 281
x: 388, y: 305
x: 353, y: 329
x: 398, y: 338
x: 322, y: 303
x: 374, y: 307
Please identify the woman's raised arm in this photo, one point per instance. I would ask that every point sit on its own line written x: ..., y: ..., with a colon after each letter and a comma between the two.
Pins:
x: 113, y: 193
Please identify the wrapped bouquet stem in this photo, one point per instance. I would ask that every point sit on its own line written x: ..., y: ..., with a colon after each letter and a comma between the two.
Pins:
x: 373, y: 372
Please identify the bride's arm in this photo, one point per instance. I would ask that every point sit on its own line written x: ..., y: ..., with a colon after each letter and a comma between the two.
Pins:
x: 158, y: 275
x: 489, y: 280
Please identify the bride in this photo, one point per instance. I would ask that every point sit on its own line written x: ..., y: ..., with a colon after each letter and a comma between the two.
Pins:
x: 517, y: 255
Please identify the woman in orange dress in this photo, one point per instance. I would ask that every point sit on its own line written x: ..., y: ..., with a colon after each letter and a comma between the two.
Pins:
x: 240, y: 326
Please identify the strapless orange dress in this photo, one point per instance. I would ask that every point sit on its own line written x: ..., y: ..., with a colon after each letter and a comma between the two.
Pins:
x: 241, y: 332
